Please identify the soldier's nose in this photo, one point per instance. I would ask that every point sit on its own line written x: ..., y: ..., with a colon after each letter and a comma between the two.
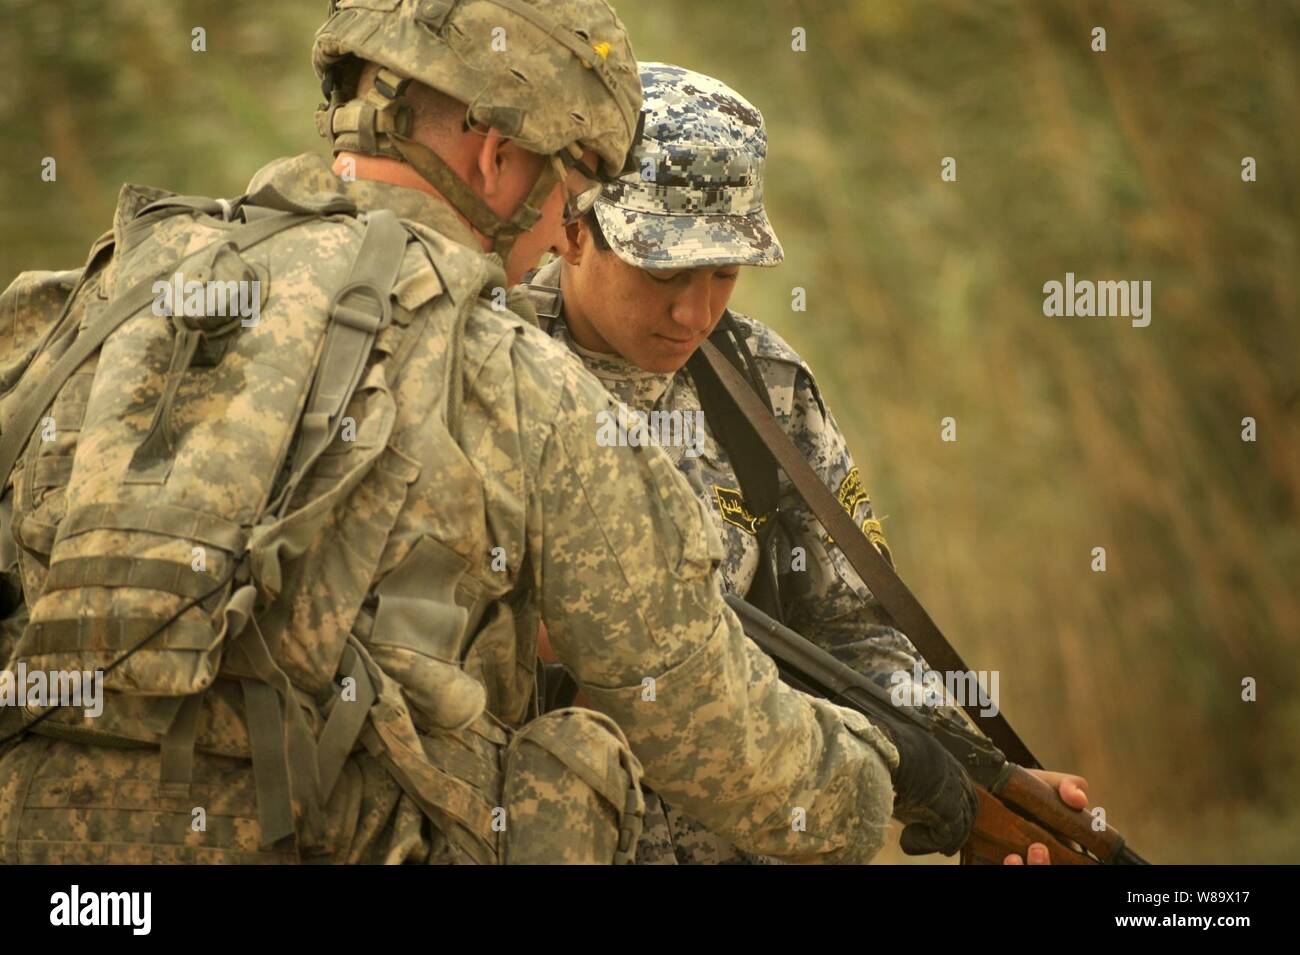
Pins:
x: 693, y: 310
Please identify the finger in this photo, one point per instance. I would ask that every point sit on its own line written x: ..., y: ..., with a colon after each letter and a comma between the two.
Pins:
x: 1013, y: 859
x: 1038, y: 854
x: 1073, y: 791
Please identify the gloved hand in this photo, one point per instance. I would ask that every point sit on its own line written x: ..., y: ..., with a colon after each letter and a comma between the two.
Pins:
x: 932, y: 793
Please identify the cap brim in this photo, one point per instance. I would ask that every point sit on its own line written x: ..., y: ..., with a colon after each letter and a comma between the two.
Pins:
x: 651, y: 241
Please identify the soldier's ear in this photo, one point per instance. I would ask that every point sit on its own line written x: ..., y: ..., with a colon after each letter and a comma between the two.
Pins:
x: 579, y: 237
x: 491, y: 161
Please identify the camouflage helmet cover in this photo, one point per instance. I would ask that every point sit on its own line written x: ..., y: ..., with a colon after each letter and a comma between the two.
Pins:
x: 545, y: 73
x: 695, y: 198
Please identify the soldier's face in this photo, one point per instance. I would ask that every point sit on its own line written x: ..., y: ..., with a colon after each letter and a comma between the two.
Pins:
x: 653, y: 318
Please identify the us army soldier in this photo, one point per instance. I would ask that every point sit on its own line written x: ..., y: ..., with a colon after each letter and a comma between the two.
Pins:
x: 281, y: 540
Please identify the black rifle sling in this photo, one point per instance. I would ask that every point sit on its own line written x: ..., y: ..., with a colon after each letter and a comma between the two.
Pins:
x: 754, y: 466
x: 874, y: 570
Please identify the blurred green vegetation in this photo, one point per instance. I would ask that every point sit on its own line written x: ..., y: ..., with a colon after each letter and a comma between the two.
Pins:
x: 925, y: 301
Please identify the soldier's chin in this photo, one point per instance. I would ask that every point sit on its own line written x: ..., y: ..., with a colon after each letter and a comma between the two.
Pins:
x: 665, y: 354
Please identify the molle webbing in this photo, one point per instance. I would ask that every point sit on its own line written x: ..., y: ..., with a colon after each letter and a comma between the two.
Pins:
x: 166, y: 520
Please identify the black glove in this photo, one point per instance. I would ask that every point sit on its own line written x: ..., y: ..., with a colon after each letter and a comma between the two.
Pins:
x: 932, y: 793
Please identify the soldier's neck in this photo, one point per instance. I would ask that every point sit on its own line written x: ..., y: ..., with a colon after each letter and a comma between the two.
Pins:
x: 383, y: 169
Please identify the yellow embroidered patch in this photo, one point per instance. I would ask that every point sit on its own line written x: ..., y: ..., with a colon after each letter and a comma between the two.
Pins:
x: 602, y: 50
x: 876, y: 534
x: 851, y: 492
x: 732, y: 506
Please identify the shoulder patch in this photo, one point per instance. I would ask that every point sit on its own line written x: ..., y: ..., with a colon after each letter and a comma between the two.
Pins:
x: 851, y: 492
x: 731, y: 504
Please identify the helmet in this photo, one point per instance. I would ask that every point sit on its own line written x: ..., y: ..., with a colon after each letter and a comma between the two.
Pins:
x: 551, y: 75
x: 696, y: 196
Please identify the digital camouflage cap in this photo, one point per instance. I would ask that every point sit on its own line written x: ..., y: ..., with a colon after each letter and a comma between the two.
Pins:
x: 695, y: 197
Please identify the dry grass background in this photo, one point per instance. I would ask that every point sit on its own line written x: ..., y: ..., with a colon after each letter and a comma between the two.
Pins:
x: 925, y: 302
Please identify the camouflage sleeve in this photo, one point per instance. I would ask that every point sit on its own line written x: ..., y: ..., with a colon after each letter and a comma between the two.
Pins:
x: 824, y: 598
x: 625, y: 556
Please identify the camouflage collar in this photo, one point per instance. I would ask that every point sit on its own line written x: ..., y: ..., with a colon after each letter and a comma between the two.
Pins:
x: 634, y: 386
x: 310, y: 180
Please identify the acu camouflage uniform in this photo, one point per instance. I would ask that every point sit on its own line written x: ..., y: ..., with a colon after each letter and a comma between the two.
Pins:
x: 704, y: 206
x: 475, y: 442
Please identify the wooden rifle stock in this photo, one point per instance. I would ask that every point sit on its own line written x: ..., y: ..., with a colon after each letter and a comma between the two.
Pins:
x: 1016, y: 808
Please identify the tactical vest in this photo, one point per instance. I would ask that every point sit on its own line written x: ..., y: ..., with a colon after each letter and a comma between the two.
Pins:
x: 179, y: 484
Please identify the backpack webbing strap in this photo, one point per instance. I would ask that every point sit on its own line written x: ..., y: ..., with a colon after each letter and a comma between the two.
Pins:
x: 346, y: 721
x: 177, y: 750
x: 358, y: 312
x: 285, y: 771
x: 17, y: 427
x: 270, y: 766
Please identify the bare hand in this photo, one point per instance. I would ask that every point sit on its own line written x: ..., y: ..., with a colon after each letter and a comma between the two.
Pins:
x: 1073, y: 791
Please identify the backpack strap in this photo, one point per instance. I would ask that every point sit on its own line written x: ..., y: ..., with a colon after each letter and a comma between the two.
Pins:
x: 17, y: 427
x: 358, y: 312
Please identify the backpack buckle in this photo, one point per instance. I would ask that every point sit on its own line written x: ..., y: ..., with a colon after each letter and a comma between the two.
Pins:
x: 369, y: 320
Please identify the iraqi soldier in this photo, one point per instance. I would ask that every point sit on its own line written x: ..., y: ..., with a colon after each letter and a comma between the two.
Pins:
x: 645, y: 280
x: 284, y: 472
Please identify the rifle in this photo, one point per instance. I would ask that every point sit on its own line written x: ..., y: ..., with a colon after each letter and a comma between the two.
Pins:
x: 1015, y: 808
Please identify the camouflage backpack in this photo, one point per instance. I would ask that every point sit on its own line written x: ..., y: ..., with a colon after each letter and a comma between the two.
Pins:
x: 171, y: 468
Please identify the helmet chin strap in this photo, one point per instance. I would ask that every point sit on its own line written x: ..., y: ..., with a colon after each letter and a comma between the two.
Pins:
x: 378, y: 125
x: 434, y: 170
